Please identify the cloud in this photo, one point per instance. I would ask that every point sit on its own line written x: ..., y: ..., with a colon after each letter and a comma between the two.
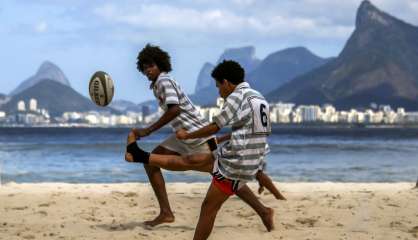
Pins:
x: 220, y: 21
x: 41, y: 27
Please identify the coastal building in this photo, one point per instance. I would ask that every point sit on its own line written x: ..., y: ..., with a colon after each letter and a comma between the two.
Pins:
x: 21, y: 106
x: 329, y: 114
x: 311, y: 113
x: 281, y: 112
x: 410, y: 118
x: 209, y: 112
x: 33, y: 104
x: 2, y: 116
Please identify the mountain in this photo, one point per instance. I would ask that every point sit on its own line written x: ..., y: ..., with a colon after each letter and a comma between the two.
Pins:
x: 3, y: 99
x: 47, y: 70
x: 270, y: 73
x: 377, y: 65
x: 244, y: 55
x: 57, y: 98
x: 204, y: 78
x: 205, y: 90
x: 282, y: 66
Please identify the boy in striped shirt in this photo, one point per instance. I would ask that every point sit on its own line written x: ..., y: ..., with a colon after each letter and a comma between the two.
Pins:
x: 237, y: 161
x: 181, y: 114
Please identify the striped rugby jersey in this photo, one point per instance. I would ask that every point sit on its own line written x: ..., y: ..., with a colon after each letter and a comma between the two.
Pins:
x: 167, y: 91
x: 247, y: 111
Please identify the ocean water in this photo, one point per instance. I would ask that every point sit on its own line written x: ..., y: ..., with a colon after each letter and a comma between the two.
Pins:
x: 95, y: 155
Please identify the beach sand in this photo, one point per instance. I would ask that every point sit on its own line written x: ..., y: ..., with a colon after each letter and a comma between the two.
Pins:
x: 117, y: 211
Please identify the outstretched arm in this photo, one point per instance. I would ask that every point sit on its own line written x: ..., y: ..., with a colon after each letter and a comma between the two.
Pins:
x: 172, y: 112
x: 206, y: 131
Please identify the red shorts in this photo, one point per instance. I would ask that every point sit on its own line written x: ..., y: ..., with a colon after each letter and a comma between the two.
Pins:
x: 226, y: 185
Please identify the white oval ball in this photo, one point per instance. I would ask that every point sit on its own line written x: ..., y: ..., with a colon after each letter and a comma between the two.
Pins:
x: 101, y: 88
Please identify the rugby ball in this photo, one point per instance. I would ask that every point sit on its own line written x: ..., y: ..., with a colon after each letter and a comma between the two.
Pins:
x: 101, y: 88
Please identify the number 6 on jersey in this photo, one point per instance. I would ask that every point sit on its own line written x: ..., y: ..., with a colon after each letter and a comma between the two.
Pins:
x: 261, y: 115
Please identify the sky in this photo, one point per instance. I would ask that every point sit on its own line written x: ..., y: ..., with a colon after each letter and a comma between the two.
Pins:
x: 82, y: 37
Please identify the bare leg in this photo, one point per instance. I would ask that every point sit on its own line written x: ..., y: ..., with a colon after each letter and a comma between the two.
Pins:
x: 158, y: 185
x: 266, y: 214
x: 210, y: 207
x: 266, y: 182
x: 202, y: 162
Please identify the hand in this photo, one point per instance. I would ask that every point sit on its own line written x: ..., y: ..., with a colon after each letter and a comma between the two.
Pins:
x: 181, y: 134
x: 141, y: 132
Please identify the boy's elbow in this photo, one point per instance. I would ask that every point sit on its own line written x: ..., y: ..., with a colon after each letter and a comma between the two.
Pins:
x: 175, y: 109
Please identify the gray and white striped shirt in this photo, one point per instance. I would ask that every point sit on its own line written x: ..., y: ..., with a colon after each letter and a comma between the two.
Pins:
x: 247, y: 111
x: 167, y: 92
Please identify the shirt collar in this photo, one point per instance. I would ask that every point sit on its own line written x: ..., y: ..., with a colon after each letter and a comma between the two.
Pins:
x: 242, y: 85
x: 162, y: 75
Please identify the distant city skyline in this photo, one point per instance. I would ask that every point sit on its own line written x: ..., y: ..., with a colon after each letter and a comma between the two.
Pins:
x: 82, y: 37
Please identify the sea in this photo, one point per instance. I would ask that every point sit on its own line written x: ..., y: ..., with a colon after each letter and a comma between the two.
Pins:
x: 312, y: 154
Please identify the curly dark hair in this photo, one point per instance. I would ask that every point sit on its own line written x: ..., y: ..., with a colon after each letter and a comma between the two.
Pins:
x: 229, y: 70
x: 153, y: 55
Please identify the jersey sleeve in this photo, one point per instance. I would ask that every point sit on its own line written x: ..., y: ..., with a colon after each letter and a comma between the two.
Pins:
x: 228, y: 111
x: 168, y: 93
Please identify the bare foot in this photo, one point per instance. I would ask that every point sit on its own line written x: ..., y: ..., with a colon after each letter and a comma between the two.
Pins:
x: 162, y: 218
x: 268, y: 219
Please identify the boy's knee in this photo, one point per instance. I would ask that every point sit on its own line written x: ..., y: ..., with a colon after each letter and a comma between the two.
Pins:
x: 151, y: 169
x: 131, y: 135
x: 189, y: 160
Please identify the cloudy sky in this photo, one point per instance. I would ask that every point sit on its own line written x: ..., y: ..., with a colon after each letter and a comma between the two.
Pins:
x: 84, y: 36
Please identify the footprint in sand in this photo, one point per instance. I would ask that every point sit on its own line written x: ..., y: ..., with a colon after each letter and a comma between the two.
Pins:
x: 46, y: 204
x: 130, y: 194
x: 28, y: 237
x: 20, y: 208
x: 396, y: 224
x: 310, y: 222
x: 42, y: 213
x: 414, y: 231
x: 83, y: 198
x: 245, y: 215
x: 289, y: 226
x: 393, y: 205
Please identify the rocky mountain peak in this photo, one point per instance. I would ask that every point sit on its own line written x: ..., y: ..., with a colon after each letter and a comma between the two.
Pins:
x: 47, y: 71
x: 247, y: 52
x: 368, y: 15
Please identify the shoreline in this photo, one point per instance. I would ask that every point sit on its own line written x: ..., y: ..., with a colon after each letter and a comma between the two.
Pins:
x: 325, y: 210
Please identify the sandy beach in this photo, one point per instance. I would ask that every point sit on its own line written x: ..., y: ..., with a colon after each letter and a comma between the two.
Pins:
x: 117, y: 211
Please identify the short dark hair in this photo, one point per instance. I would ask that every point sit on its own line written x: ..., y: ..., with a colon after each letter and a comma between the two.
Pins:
x: 229, y: 70
x: 153, y: 55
